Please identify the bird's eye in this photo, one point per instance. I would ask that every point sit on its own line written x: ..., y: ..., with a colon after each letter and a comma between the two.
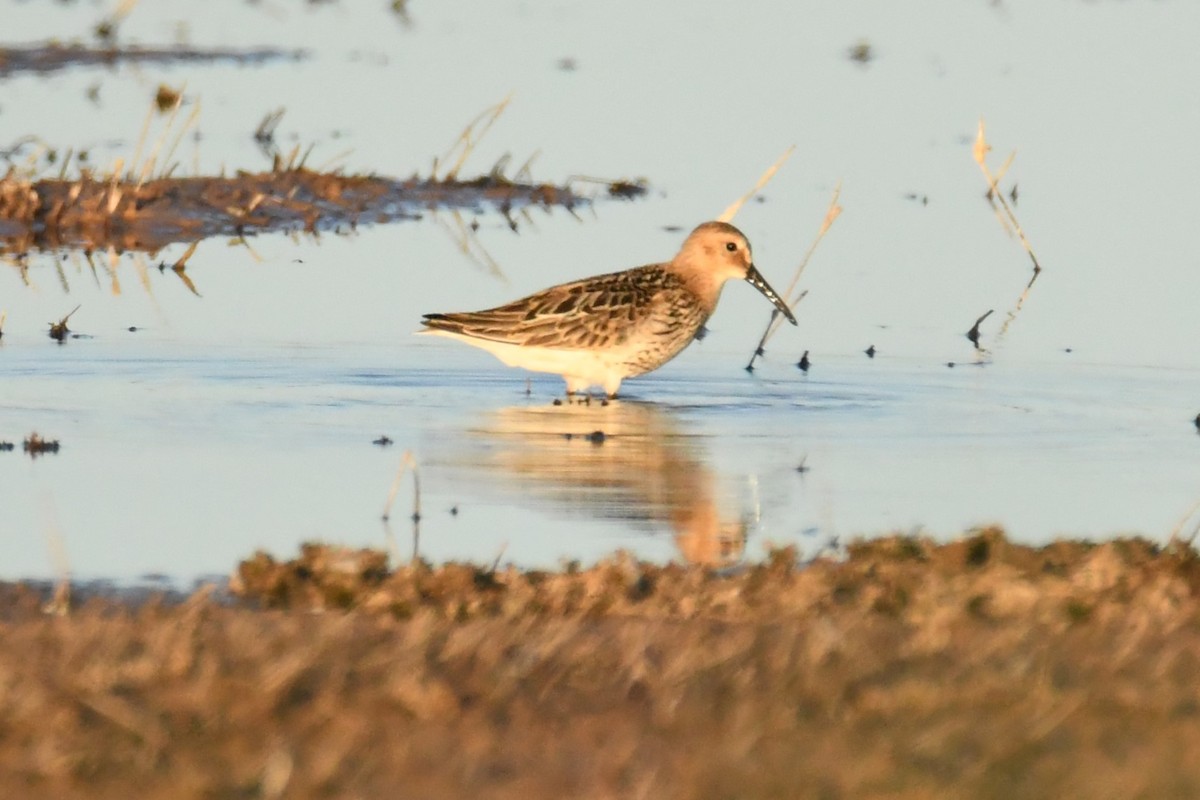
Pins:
x: 731, y: 247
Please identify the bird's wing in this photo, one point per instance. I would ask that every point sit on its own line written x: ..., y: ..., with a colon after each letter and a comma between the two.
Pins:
x: 582, y: 314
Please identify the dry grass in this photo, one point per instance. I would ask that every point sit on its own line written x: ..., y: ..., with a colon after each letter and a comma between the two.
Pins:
x: 729, y: 213
x: 1004, y: 211
x: 790, y: 295
x: 141, y: 207
x: 974, y: 669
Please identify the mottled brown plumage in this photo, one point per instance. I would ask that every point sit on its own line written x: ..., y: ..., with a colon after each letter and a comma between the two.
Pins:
x: 601, y: 330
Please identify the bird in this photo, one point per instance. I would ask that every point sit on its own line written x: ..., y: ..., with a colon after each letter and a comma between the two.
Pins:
x: 601, y: 330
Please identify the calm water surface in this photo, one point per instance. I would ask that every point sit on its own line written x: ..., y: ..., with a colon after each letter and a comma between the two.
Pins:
x: 242, y: 417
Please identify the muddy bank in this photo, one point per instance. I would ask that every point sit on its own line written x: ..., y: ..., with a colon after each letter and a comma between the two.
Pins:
x: 52, y: 56
x: 99, y: 213
x: 974, y: 669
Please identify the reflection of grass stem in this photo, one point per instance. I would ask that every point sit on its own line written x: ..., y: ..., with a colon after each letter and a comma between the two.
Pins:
x: 831, y: 214
x: 1012, y: 314
x: 467, y: 241
x: 60, y: 602
x: 180, y: 266
x: 1177, y: 532
x: 407, y: 462
x: 62, y: 171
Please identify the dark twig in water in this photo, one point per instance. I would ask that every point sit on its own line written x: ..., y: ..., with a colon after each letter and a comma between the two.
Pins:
x: 59, y: 330
x: 973, y: 334
x: 772, y: 325
x: 264, y: 134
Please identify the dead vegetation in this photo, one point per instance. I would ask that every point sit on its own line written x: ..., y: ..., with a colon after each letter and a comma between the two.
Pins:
x: 36, y: 445
x: 51, y: 57
x: 1003, y: 209
x: 978, y: 668
x: 96, y: 213
x: 143, y: 207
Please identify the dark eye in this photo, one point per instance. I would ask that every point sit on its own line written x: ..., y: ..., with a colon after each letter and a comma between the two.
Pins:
x: 731, y: 247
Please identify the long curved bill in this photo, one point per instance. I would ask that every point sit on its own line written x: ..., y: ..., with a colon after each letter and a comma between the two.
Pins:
x: 755, y: 279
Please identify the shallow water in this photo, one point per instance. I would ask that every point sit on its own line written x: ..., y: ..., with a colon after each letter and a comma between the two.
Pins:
x: 180, y: 459
x: 242, y: 416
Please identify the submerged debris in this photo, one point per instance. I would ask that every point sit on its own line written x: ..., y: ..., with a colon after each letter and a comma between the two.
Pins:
x: 35, y: 445
x: 861, y: 52
x: 51, y: 57
x: 59, y: 330
x: 973, y: 334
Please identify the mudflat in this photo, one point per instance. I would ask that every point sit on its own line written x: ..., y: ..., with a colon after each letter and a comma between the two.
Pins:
x: 901, y: 668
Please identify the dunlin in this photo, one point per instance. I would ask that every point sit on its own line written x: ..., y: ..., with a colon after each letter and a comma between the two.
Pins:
x: 599, y: 331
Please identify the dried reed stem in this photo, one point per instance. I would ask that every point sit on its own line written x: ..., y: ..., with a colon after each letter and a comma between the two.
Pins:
x: 468, y: 139
x: 731, y: 212
x: 980, y: 152
x: 152, y: 157
x: 188, y: 125
x: 137, y: 151
x: 831, y: 214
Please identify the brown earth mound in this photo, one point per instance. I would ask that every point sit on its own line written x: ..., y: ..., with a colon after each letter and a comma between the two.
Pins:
x: 979, y: 668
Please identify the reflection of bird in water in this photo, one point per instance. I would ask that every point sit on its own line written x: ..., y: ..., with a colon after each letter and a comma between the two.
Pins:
x: 601, y: 330
x: 622, y: 460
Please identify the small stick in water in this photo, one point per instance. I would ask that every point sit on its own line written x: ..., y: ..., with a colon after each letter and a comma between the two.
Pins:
x: 973, y: 334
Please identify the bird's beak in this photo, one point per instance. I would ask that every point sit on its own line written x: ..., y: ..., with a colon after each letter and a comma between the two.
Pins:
x: 755, y: 279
